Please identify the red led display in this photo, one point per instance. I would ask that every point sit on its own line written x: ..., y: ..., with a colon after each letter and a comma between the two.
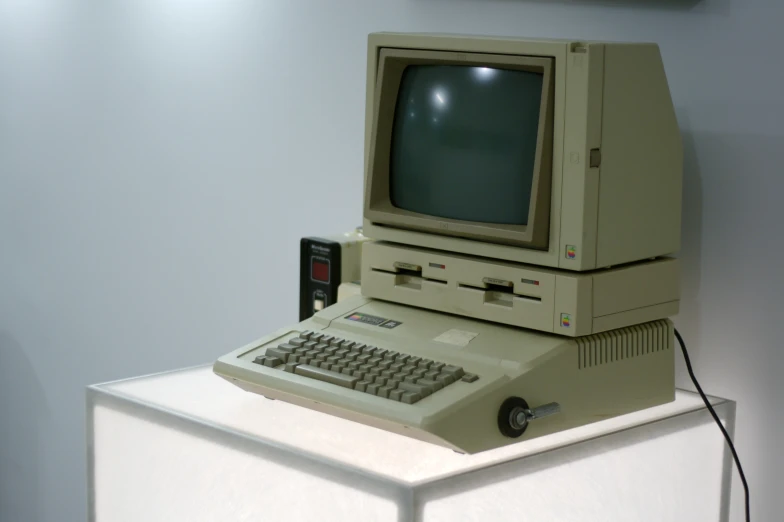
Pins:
x: 320, y: 271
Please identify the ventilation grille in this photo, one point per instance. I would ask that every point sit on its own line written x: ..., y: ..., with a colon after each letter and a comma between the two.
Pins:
x: 624, y: 343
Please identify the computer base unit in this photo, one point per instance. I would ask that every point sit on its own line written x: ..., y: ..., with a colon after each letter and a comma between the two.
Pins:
x: 458, y: 382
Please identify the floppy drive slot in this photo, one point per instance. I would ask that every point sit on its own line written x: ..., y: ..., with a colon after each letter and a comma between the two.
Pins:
x: 499, y: 292
x: 408, y: 275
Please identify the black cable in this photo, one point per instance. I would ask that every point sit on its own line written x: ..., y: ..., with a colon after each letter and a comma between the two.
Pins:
x: 716, y: 418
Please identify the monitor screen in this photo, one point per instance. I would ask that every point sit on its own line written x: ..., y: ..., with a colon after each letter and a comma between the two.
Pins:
x: 464, y: 142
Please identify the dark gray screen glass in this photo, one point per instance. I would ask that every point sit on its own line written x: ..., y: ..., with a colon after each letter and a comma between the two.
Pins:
x: 464, y: 141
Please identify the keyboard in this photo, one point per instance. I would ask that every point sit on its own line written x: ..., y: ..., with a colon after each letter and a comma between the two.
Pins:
x: 461, y: 383
x: 365, y: 368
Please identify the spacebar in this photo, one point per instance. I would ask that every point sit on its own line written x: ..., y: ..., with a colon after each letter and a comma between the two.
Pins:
x: 321, y: 374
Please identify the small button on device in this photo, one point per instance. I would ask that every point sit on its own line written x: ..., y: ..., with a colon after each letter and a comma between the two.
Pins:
x: 318, y: 305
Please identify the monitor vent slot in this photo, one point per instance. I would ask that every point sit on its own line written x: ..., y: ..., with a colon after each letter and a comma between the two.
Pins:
x: 624, y: 343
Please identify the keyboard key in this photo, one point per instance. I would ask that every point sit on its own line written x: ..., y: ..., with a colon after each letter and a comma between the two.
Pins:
x: 347, y: 344
x: 335, y: 341
x: 410, y: 398
x: 375, y: 360
x: 425, y: 363
x: 325, y: 365
x: 366, y: 367
x: 317, y: 337
x: 393, y: 382
x: 368, y: 349
x: 354, y: 365
x: 419, y: 372
x: 333, y: 359
x: 342, y: 352
x: 272, y: 362
x: 321, y: 347
x: 381, y: 380
x: 293, y: 358
x: 432, y: 374
x: 400, y: 376
x: 414, y: 360
x: 358, y: 374
x: 310, y: 345
x: 372, y: 388
x: 260, y: 359
x: 380, y: 353
x: 408, y: 369
x: 432, y: 385
x: 327, y: 339
x: 290, y: 367
x: 445, y: 379
x: 361, y: 385
x: 297, y: 341
x: 365, y: 357
x: 306, y: 334
x: 455, y: 371
x: 385, y: 364
x: 347, y: 371
x: 396, y: 395
x: 384, y: 391
x: 411, y: 378
x: 437, y: 366
x: 390, y: 355
x: 275, y: 352
x: 375, y: 371
x: 424, y: 391
x: 469, y: 377
x: 332, y: 350
x: 359, y: 347
x: 402, y: 358
x: 388, y: 373
x: 321, y: 356
x: 286, y: 347
x: 326, y: 375
x: 397, y: 366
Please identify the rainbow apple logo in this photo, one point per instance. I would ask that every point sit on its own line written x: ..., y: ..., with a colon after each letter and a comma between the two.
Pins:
x: 566, y: 320
x: 571, y: 251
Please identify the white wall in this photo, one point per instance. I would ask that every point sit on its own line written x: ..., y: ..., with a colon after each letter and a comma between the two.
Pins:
x: 160, y: 159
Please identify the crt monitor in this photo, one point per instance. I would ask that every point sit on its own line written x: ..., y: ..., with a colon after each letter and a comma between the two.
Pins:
x: 555, y: 153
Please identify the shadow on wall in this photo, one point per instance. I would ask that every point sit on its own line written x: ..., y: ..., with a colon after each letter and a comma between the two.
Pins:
x: 715, y: 6
x: 22, y: 406
x: 691, y: 244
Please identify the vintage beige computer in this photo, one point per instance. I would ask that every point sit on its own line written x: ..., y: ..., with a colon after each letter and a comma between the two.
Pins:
x: 521, y: 197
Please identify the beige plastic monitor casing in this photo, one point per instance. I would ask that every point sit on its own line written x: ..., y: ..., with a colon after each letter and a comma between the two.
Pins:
x: 615, y: 180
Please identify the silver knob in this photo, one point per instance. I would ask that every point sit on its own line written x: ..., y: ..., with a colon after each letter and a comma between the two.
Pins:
x: 519, y: 417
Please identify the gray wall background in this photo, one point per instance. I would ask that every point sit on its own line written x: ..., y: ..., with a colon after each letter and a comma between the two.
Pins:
x: 160, y: 159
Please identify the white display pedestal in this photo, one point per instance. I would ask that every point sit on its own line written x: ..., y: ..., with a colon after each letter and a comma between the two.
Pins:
x: 188, y: 446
